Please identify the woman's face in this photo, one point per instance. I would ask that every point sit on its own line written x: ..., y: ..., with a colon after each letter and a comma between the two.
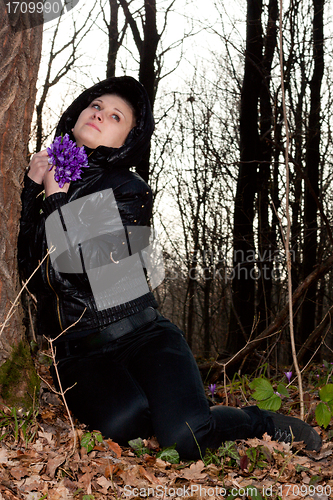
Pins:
x: 107, y: 121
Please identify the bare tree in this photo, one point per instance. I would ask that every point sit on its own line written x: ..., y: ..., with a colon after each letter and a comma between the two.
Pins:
x: 200, y: 243
x: 141, y: 19
x: 312, y: 168
x: 19, y: 63
x: 67, y: 55
x: 244, y: 244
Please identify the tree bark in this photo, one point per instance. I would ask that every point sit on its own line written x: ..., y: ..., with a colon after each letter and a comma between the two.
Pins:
x: 147, y: 48
x: 19, y: 63
x: 266, y: 237
x: 312, y: 171
x: 244, y: 248
x: 113, y: 39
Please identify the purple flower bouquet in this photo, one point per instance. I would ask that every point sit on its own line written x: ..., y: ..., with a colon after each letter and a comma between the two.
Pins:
x: 67, y: 159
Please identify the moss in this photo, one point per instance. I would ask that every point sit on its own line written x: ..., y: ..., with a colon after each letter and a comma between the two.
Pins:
x: 19, y: 382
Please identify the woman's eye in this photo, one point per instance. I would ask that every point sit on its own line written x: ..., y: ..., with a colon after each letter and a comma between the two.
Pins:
x: 97, y: 106
x: 116, y: 117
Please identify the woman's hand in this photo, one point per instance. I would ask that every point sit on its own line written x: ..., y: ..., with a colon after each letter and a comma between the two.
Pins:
x: 50, y: 184
x: 38, y: 166
x: 39, y: 172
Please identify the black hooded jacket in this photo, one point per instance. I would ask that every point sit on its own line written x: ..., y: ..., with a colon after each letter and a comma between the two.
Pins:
x: 63, y: 298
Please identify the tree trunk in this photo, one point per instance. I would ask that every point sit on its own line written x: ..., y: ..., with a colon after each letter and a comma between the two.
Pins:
x: 147, y: 74
x: 244, y: 248
x: 312, y: 171
x: 19, y: 63
x: 266, y: 237
x: 113, y: 39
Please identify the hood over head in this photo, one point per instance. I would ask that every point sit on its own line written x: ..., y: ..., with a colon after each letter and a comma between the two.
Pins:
x: 138, y: 139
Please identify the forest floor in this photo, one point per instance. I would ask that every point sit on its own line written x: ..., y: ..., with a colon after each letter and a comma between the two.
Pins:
x: 38, y: 461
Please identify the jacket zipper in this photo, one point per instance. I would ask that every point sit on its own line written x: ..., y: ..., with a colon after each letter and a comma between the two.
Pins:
x: 48, y: 280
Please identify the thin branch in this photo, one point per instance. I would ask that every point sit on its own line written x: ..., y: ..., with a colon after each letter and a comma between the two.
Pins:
x: 15, y: 303
x: 288, y: 231
x: 62, y: 392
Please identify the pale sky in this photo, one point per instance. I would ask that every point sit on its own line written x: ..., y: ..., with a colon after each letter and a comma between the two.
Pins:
x: 187, y: 16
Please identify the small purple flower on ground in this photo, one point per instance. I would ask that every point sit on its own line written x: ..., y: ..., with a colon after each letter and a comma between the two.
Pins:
x: 212, y: 388
x: 288, y: 375
x: 67, y: 159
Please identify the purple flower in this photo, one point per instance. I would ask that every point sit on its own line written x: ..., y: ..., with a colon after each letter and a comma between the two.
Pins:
x: 288, y: 375
x: 67, y: 159
x: 212, y: 388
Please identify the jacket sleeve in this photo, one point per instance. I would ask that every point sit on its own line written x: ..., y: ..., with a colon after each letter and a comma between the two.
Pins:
x: 30, y: 239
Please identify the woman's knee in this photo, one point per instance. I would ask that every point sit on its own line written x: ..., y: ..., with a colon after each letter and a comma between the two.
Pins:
x: 127, y: 425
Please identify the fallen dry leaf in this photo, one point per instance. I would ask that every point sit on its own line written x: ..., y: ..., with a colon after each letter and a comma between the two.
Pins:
x: 111, y: 470
x: 114, y: 447
x: 19, y: 472
x: 85, y: 481
x: 194, y: 472
x: 104, y: 483
x: 148, y: 475
x: 53, y: 463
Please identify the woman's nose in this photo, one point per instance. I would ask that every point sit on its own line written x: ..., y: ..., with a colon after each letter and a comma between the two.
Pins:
x: 98, y: 115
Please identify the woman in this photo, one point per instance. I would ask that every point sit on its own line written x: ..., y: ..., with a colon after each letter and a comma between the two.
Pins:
x: 130, y: 370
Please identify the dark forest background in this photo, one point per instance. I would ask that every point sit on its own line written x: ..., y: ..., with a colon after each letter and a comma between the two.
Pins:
x: 216, y: 165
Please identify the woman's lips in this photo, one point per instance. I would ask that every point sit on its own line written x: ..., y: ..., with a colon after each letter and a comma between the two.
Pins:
x: 93, y: 126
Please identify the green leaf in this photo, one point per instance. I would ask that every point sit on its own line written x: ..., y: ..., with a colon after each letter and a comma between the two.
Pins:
x: 301, y: 468
x: 169, y: 455
x: 263, y: 389
x: 314, y: 480
x: 88, y: 442
x: 98, y: 437
x: 273, y: 403
x: 231, y: 450
x: 138, y: 447
x: 228, y: 449
x: 253, y: 493
x: 323, y: 415
x: 326, y: 393
x: 232, y: 497
x: 281, y: 389
x: 136, y: 443
x: 252, y: 454
x: 261, y: 464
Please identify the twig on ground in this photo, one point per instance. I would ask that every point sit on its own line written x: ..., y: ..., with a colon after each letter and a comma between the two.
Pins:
x: 61, y: 391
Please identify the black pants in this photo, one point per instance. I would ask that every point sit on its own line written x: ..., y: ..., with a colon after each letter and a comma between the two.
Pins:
x: 147, y: 383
